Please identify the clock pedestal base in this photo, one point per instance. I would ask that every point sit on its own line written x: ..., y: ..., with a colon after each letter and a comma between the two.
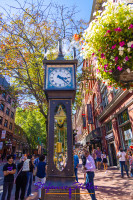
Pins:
x: 60, y: 191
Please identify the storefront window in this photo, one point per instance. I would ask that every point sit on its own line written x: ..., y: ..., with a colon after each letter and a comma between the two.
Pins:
x: 126, y: 135
x: 123, y: 117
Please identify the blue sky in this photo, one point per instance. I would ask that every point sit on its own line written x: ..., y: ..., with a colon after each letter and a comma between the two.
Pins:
x: 84, y: 6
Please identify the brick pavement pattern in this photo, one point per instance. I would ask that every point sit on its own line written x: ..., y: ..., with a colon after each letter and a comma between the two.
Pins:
x: 110, y: 185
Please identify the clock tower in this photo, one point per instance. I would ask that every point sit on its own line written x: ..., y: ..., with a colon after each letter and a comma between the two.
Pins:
x: 60, y: 90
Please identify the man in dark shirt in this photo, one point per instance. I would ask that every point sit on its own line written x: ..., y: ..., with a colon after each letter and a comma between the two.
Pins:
x: 9, y: 170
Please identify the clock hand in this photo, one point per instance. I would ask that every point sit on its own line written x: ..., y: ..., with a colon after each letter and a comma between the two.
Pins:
x: 62, y: 78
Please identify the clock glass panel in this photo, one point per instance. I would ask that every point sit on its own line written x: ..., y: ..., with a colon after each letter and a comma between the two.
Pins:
x: 60, y: 77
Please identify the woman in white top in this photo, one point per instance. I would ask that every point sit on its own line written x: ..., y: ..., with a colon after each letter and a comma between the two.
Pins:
x: 104, y: 160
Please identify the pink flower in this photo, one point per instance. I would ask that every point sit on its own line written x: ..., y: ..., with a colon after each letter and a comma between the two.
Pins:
x: 105, y: 70
x: 132, y: 46
x: 131, y: 26
x: 122, y: 43
x: 126, y: 58
x: 118, y: 29
x: 110, y: 71
x: 98, y: 70
x: 116, y: 58
x: 102, y: 55
x: 108, y: 31
x: 119, y: 68
x: 113, y: 47
x: 105, y: 66
x: 93, y: 54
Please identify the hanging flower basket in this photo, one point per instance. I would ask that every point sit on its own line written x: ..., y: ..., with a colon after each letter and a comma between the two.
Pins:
x: 109, y: 39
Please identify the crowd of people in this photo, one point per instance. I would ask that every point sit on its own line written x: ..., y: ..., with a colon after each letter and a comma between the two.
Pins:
x: 27, y: 170
x: 33, y: 168
x: 93, y: 161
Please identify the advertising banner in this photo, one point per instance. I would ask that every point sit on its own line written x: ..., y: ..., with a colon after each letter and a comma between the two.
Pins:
x: 84, y: 121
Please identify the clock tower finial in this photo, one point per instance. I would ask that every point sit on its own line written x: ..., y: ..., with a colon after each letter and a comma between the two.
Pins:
x: 60, y: 55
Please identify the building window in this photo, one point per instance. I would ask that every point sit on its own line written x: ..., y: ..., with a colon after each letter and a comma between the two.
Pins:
x: 6, y: 123
x: 95, y: 102
x: 10, y: 126
x: 2, y: 107
x: 8, y: 111
x: 1, y: 119
x: 4, y: 95
x: 12, y: 115
x: 105, y: 97
x: 109, y: 126
x: 123, y: 117
x: 9, y: 100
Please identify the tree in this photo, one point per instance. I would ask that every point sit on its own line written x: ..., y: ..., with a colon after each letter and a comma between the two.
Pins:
x: 33, y: 124
x: 24, y: 37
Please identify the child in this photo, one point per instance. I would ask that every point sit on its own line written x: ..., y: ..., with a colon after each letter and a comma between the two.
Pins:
x: 104, y: 159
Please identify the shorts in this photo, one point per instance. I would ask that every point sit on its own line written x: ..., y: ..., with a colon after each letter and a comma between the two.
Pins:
x: 104, y: 160
x: 98, y: 159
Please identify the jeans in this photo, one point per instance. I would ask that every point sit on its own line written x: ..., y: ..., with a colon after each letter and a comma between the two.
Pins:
x: 75, y: 171
x: 7, y: 187
x: 29, y: 182
x: 90, y: 184
x: 42, y: 180
x: 122, y: 163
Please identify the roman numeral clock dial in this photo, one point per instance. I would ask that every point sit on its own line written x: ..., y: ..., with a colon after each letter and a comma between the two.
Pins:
x: 60, y: 77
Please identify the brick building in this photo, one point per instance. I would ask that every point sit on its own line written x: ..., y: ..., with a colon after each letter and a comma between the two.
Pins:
x: 7, y: 117
x: 108, y: 114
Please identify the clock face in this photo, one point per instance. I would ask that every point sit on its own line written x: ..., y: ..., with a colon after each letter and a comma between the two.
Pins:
x: 60, y: 77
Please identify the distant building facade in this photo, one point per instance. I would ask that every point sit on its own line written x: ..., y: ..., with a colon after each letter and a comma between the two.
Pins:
x: 7, y: 117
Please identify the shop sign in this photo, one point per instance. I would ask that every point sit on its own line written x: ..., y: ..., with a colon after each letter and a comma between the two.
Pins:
x: 3, y: 135
x: 128, y: 134
x: 1, y: 145
x: 90, y: 116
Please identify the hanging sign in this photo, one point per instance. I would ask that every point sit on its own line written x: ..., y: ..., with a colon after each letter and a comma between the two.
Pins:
x: 3, y: 135
x: 89, y: 111
x: 84, y: 121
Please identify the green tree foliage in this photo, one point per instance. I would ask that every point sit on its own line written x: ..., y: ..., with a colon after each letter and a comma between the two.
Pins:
x: 33, y: 124
x: 24, y: 37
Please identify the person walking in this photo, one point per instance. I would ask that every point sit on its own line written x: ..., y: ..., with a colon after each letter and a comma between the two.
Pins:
x: 98, y: 157
x: 121, y: 155
x: 94, y: 156
x: 90, y: 168
x: 41, y: 173
x: 36, y: 161
x: 9, y: 169
x: 83, y: 158
x: 131, y: 164
x: 30, y: 177
x: 104, y: 160
x: 21, y: 180
x: 76, y: 163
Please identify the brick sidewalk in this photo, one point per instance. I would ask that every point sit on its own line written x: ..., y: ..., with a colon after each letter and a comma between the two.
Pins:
x: 110, y: 186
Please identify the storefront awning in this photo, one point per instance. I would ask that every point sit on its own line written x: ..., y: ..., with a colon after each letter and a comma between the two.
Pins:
x: 94, y: 135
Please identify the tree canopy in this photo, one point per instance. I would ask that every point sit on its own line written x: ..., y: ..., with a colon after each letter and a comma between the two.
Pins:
x: 33, y: 124
x: 24, y: 38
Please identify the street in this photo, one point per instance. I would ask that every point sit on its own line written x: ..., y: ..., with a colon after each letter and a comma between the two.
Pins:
x: 110, y: 185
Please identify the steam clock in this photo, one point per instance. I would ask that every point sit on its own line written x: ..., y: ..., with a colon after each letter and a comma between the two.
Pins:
x: 60, y: 90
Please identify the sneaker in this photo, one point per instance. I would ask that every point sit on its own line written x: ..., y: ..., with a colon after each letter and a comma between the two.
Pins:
x: 31, y: 195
